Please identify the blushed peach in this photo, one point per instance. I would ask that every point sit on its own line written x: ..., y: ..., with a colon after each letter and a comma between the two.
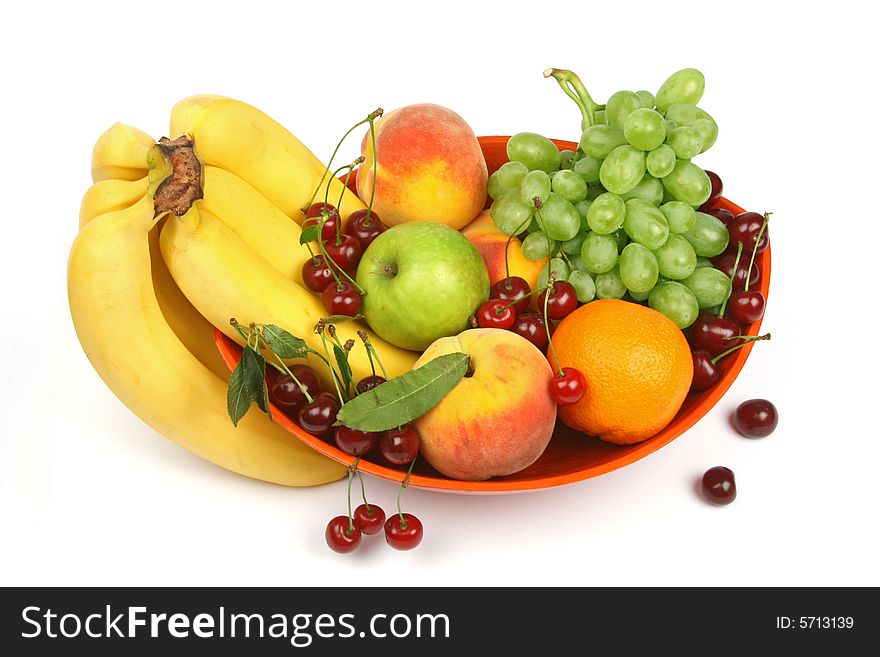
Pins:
x: 430, y: 167
x: 491, y: 242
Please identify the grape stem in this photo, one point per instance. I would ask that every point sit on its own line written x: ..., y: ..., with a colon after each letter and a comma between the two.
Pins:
x: 755, y: 250
x: 747, y: 339
x: 739, y: 250
x: 573, y: 87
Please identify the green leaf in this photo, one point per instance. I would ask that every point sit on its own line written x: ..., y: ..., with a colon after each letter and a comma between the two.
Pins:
x: 246, y: 385
x: 283, y: 344
x: 344, y: 367
x: 406, y: 397
x: 309, y: 233
x: 339, y: 319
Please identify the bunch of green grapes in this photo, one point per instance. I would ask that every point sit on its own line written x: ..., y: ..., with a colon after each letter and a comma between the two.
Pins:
x: 618, y: 217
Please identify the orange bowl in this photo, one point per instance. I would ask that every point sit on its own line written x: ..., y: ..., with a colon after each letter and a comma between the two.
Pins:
x: 571, y: 456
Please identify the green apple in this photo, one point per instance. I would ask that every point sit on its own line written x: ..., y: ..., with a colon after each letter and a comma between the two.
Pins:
x: 422, y: 281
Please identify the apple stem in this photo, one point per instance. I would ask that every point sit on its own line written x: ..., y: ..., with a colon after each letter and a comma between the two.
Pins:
x: 755, y: 250
x: 748, y: 339
x: 551, y: 279
x: 370, y: 117
x: 403, y: 485
x: 739, y: 250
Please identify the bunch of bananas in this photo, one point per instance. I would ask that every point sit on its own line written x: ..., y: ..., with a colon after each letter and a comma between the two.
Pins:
x: 146, y: 289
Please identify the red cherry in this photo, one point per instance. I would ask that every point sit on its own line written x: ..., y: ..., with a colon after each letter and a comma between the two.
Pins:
x: 342, y: 298
x: 403, y: 534
x: 747, y: 307
x: 368, y: 383
x: 400, y: 446
x: 756, y: 418
x: 369, y: 519
x: 354, y: 441
x: 318, y: 417
x: 563, y: 300
x: 531, y: 327
x: 744, y: 230
x: 717, y: 189
x: 341, y: 536
x: 719, y: 486
x: 714, y: 334
x: 569, y: 387
x: 510, y: 289
x: 725, y: 264
x: 316, y: 274
x: 363, y: 226
x: 285, y: 393
x: 706, y: 373
x: 493, y: 314
x: 724, y: 216
x: 345, y: 251
x: 317, y: 212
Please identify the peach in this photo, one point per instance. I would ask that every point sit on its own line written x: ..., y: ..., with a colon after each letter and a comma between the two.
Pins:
x: 429, y: 168
x: 496, y: 421
x: 491, y: 242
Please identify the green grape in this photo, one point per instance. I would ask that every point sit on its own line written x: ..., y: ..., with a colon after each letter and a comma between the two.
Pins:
x: 534, y: 183
x: 680, y: 216
x: 709, y: 285
x: 675, y: 301
x: 708, y: 130
x: 588, y: 168
x: 644, y: 129
x: 583, y: 207
x: 566, y: 159
x: 689, y: 115
x: 560, y: 219
x: 645, y: 224
x: 609, y: 285
x: 709, y: 236
x: 599, y: 117
x: 647, y: 98
x: 649, y: 189
x: 599, y: 253
x: 685, y: 142
x: 509, y: 214
x: 660, y: 161
x: 606, y: 214
x: 583, y: 284
x: 558, y: 266
x: 573, y: 246
x: 639, y: 296
x: 598, y: 141
x: 620, y: 106
x: 689, y: 183
x: 537, y: 246
x: 577, y: 263
x: 684, y: 86
x: 638, y: 268
x: 535, y: 151
x: 509, y: 175
x: 622, y: 169
x: 671, y: 125
x: 703, y: 262
x: 676, y: 258
x: 569, y: 186
x: 621, y: 238
x: 594, y: 191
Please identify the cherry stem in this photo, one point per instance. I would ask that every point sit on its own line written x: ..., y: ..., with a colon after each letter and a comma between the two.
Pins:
x: 573, y: 87
x: 331, y: 329
x: 755, y: 250
x: 739, y: 250
x: 374, y: 354
x: 363, y: 337
x: 525, y: 296
x: 748, y: 339
x: 403, y: 485
x: 551, y: 279
x: 333, y: 373
x: 507, y: 248
x: 363, y: 489
x: 351, y: 472
x: 350, y: 168
x: 368, y: 221
x: 370, y: 117
x: 331, y: 263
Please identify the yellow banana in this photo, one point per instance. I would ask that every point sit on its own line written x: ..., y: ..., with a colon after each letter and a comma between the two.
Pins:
x: 110, y: 195
x: 126, y: 337
x: 121, y: 153
x: 234, y: 136
x: 224, y: 278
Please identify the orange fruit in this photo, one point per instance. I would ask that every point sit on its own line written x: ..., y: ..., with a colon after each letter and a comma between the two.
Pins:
x: 637, y: 364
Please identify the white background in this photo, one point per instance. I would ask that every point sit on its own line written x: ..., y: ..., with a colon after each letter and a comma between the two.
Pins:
x: 90, y: 495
